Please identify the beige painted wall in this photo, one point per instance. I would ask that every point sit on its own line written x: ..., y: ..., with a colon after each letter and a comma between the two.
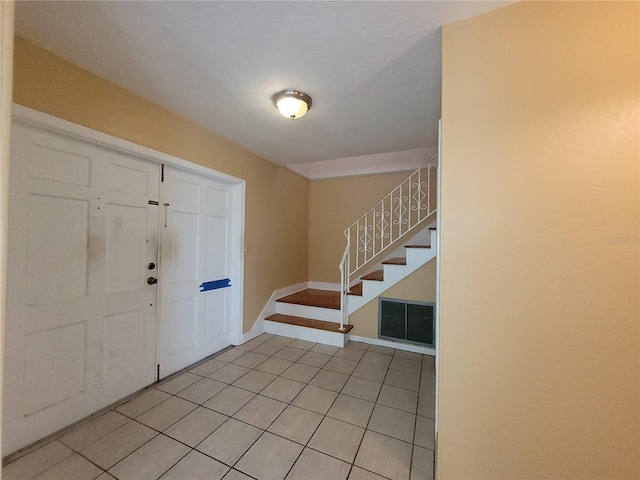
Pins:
x: 6, y: 74
x: 276, y: 199
x: 539, y: 314
x: 334, y: 204
x: 419, y: 286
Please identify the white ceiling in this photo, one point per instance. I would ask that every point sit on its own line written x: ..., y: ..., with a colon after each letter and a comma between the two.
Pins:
x: 372, y: 68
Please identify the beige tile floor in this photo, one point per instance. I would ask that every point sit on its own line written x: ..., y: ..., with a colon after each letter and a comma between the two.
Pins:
x: 273, y: 408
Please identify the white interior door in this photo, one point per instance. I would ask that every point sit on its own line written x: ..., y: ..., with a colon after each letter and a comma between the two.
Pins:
x: 86, y: 222
x: 81, y: 317
x: 197, y: 238
x: 130, y: 273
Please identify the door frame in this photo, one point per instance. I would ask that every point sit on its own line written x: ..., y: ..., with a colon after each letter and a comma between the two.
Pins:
x: 56, y: 125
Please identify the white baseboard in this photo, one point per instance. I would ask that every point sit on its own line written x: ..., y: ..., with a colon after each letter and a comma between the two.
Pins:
x: 270, y: 309
x: 257, y: 329
x: 408, y: 347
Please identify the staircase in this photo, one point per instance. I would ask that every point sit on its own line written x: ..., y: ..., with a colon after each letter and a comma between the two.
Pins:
x: 322, y: 315
x: 310, y: 314
x: 393, y: 270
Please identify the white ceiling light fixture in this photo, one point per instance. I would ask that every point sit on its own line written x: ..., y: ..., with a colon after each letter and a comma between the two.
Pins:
x: 292, y: 103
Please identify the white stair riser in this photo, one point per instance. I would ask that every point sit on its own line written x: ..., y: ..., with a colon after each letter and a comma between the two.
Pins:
x: 414, y: 254
x: 304, y: 333
x: 315, y: 313
x: 419, y: 255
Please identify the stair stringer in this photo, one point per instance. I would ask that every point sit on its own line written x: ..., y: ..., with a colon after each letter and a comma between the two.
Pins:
x: 416, y: 258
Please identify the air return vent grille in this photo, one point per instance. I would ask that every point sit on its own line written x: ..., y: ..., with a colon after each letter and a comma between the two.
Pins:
x: 407, y: 321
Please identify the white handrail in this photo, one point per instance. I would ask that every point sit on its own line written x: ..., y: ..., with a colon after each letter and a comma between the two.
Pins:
x: 393, y: 217
x: 344, y: 282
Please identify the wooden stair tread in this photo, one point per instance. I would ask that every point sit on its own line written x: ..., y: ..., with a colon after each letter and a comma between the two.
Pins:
x: 356, y: 289
x: 395, y: 261
x: 314, y: 297
x: 308, y: 322
x: 417, y: 246
x: 378, y: 276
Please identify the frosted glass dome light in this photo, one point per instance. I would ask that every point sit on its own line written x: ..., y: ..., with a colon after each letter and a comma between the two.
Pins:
x: 291, y: 103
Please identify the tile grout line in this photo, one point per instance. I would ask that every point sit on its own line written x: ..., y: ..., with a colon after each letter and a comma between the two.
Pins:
x: 369, y: 421
x: 352, y: 464
x: 388, y: 369
x: 415, y: 424
x: 291, y: 404
x: 272, y: 422
x: 306, y: 445
x: 305, y: 384
x: 263, y: 430
x: 308, y: 383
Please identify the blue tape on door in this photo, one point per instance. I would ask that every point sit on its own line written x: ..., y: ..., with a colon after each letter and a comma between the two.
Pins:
x: 215, y: 285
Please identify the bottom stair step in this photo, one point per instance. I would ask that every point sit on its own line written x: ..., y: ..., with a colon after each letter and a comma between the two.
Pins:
x: 314, y: 297
x: 308, y: 322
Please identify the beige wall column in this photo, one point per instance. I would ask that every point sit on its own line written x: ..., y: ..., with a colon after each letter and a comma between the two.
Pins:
x: 6, y: 80
x: 539, y: 314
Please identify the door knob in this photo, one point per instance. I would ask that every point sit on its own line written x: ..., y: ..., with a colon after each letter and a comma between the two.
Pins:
x: 152, y: 280
x: 151, y: 266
